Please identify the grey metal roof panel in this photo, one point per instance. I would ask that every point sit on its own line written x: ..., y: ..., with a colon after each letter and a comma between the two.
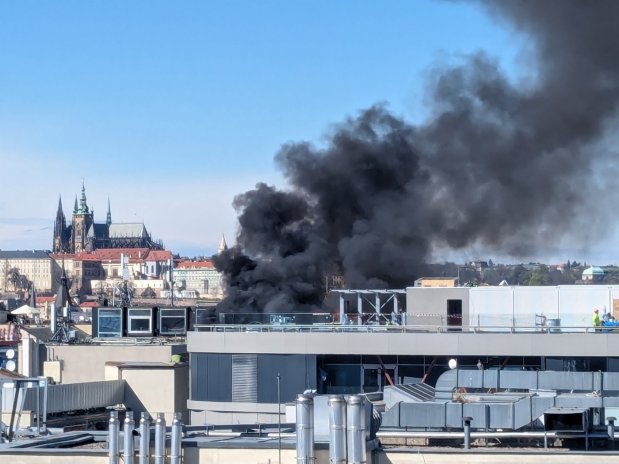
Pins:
x: 24, y: 254
x: 127, y: 230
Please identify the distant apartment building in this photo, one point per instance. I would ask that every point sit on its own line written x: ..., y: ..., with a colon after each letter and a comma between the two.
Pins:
x: 35, y: 265
x: 199, y: 276
x: 101, y: 270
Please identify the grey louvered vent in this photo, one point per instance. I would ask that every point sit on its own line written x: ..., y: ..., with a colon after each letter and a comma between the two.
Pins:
x: 244, y: 378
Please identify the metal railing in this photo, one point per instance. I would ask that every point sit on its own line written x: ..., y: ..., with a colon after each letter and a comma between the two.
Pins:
x: 446, y: 329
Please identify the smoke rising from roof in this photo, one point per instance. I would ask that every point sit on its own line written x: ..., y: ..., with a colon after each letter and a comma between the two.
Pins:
x: 497, y: 164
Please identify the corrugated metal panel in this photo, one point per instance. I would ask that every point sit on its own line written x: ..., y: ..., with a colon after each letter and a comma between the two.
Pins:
x: 555, y: 380
x: 523, y: 411
x: 491, y: 379
x: 479, y: 413
x: 611, y: 402
x: 578, y: 401
x: 501, y: 416
x: 422, y: 415
x: 470, y: 379
x: 541, y: 404
x: 610, y: 380
x: 391, y: 418
x: 524, y: 380
x: 75, y: 396
x: 244, y: 378
x: 446, y: 381
x: 453, y: 415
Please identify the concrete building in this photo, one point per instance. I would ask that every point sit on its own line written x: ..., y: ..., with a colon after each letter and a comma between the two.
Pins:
x: 543, y: 328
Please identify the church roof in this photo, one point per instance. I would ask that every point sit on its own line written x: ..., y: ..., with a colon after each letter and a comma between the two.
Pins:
x: 128, y: 229
x: 593, y: 270
x: 97, y: 231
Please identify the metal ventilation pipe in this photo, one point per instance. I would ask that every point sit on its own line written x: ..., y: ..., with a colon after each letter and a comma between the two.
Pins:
x: 356, y: 430
x: 175, y: 442
x: 144, y: 451
x: 129, y: 448
x: 337, y: 430
x: 467, y: 432
x: 160, y: 438
x: 305, y: 429
x: 113, y: 432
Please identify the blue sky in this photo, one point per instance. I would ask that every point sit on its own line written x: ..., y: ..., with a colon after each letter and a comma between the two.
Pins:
x: 172, y: 108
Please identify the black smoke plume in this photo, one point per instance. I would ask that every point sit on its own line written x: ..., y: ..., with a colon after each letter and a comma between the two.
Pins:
x: 498, y: 164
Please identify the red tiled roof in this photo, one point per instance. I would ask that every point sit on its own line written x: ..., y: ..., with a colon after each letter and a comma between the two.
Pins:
x: 136, y: 255
x: 159, y: 255
x: 87, y: 256
x: 114, y: 253
x: 89, y: 304
x: 60, y: 256
x: 206, y: 264
x: 45, y: 299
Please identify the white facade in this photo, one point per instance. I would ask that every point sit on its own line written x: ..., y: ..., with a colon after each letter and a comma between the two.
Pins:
x: 521, y: 307
x: 37, y: 266
x: 201, y: 277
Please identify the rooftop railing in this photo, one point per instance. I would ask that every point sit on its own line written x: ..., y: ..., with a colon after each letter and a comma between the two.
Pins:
x: 443, y: 329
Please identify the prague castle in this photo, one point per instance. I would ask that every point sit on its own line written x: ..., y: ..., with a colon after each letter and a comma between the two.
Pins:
x: 83, y: 234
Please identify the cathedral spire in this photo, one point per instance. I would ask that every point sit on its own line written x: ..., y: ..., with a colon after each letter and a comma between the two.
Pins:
x: 223, y: 246
x: 108, y: 221
x: 75, y: 206
x: 60, y: 225
x: 59, y: 213
x: 83, y: 205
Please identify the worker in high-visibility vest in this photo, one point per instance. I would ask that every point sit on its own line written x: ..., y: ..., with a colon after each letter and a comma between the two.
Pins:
x: 596, y: 318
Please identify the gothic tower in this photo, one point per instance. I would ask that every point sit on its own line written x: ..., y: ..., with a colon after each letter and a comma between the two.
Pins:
x: 108, y: 220
x: 83, y: 219
x: 60, y: 227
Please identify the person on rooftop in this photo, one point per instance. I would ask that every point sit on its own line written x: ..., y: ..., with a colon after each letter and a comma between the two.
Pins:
x: 596, y: 318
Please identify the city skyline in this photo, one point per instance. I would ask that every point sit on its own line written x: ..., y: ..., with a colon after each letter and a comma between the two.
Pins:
x: 171, y: 111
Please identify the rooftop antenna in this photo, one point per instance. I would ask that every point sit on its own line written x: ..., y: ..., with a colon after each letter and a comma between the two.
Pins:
x: 171, y: 276
x: 61, y: 321
x: 125, y: 292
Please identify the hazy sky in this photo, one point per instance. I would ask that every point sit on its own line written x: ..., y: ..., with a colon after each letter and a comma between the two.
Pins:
x: 172, y: 108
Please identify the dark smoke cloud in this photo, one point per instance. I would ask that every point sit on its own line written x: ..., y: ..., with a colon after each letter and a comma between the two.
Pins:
x: 497, y: 164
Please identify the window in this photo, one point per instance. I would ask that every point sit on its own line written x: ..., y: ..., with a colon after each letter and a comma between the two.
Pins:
x: 140, y: 321
x: 172, y: 322
x: 110, y: 322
